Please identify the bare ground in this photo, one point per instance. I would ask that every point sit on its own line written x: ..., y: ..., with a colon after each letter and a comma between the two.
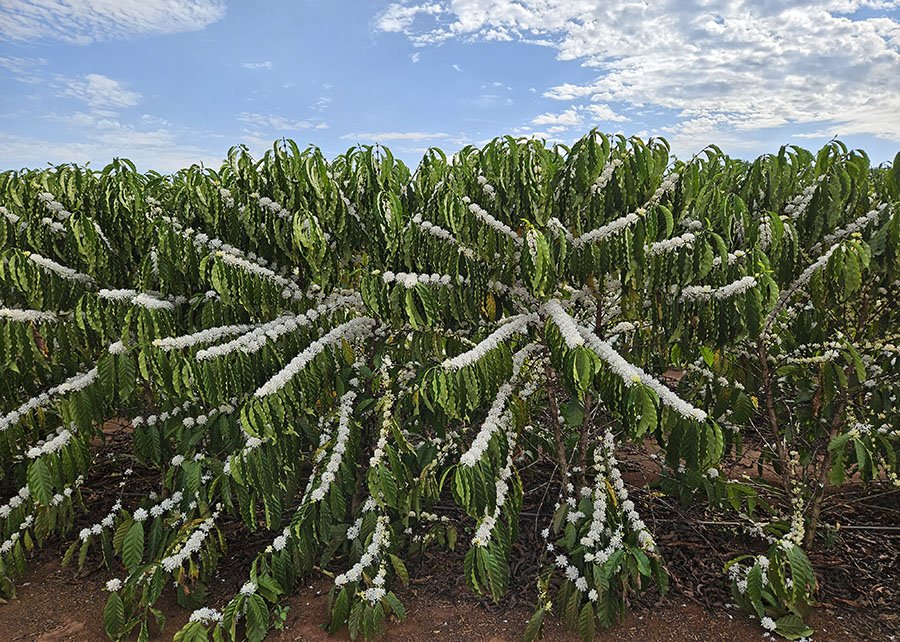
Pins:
x: 858, y: 573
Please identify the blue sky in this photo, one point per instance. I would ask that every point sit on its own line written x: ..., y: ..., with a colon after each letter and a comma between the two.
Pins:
x: 168, y: 83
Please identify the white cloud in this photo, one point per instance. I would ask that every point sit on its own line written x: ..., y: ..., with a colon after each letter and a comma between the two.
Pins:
x: 100, y: 91
x: 22, y: 69
x: 718, y: 67
x: 322, y: 103
x: 256, y: 142
x: 488, y: 101
x: 85, y: 21
x: 415, y: 57
x: 575, y: 117
x: 568, y: 118
x: 603, y: 112
x: 91, y: 137
x: 256, y: 66
x: 691, y: 135
x: 549, y: 135
x: 108, y: 130
x: 456, y: 67
x: 383, y: 136
x: 398, y: 17
x: 271, y: 121
x: 149, y: 119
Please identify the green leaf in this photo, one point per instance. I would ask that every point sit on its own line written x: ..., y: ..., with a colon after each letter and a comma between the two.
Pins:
x: 863, y: 460
x: 498, y: 572
x: 114, y: 616
x: 648, y: 413
x: 535, y: 625
x: 191, y: 632
x: 40, y: 481
x: 257, y: 618
x: 412, y: 310
x: 133, y: 546
x: 643, y: 562
x: 583, y: 368
x: 452, y: 535
x: 470, y: 570
x: 340, y: 611
x: 355, y: 621
x: 801, y: 574
x: 852, y: 273
x: 396, y: 605
x: 792, y: 627
x: 573, y: 412
x: 125, y: 368
x: 895, y: 172
x: 399, y: 568
x: 754, y: 590
x: 586, y: 623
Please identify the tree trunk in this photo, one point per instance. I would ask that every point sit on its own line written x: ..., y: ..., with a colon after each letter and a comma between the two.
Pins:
x: 780, y: 447
x: 818, y: 496
x: 557, y: 428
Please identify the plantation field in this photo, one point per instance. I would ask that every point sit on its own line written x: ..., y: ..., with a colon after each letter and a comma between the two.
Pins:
x: 547, y: 391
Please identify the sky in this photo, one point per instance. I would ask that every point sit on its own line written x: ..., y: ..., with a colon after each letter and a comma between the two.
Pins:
x: 169, y: 83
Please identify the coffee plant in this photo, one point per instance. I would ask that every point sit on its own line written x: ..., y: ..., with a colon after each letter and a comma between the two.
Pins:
x: 334, y: 353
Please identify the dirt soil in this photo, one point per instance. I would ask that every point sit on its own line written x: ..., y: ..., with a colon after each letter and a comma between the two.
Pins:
x: 53, y: 605
x: 858, y: 571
